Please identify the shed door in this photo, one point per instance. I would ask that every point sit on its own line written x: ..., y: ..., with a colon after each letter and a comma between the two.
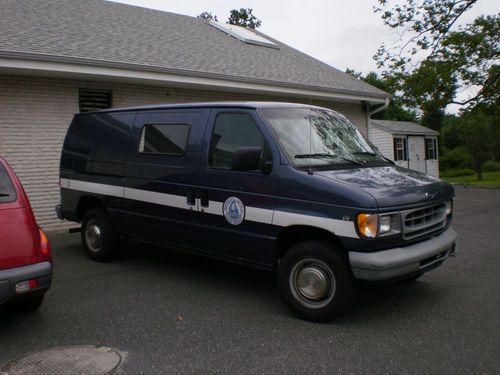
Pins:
x: 416, y: 153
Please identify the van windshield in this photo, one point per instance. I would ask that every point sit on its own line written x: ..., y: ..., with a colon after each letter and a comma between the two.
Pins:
x: 319, y: 137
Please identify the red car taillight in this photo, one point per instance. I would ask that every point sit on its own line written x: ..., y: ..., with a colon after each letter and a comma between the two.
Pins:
x: 44, y: 243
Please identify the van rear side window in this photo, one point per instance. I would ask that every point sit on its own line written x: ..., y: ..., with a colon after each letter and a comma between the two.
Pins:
x: 7, y: 192
x: 164, y: 139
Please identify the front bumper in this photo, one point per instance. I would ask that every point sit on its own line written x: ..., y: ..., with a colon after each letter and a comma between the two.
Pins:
x: 10, y: 277
x: 401, y: 261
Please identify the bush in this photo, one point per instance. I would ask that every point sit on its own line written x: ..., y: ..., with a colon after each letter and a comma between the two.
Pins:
x: 491, y: 166
x: 457, y: 172
x: 453, y: 159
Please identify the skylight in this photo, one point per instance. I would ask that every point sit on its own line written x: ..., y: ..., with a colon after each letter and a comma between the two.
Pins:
x: 245, y: 35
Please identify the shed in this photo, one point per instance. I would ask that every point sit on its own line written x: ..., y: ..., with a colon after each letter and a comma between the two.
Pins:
x: 408, y: 144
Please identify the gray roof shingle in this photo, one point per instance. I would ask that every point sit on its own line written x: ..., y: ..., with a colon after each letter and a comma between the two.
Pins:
x: 403, y: 127
x: 107, y: 33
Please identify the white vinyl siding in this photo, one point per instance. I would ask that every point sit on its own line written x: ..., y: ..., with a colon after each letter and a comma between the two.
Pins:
x: 383, y: 141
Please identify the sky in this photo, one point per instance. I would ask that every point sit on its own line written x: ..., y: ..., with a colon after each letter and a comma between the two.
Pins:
x: 341, y: 33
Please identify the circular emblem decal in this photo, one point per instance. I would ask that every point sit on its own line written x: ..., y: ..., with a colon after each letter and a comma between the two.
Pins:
x: 233, y: 210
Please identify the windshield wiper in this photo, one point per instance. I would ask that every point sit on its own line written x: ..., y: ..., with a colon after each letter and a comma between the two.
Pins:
x: 364, y: 153
x: 373, y: 154
x: 325, y: 155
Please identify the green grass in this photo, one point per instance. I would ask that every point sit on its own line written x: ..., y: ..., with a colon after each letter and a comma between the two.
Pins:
x: 491, y: 179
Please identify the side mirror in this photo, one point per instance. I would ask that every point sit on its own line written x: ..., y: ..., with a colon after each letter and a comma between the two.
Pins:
x: 246, y: 159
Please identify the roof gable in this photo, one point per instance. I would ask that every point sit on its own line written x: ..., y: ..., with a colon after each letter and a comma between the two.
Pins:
x: 402, y: 127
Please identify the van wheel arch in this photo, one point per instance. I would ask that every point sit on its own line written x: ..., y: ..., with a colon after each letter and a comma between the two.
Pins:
x: 295, y: 234
x: 87, y: 203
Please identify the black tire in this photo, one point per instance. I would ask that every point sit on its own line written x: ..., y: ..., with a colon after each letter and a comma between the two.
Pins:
x: 315, y: 281
x: 28, y: 305
x: 99, y: 239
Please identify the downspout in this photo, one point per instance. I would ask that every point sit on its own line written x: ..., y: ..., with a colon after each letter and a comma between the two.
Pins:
x: 381, y: 108
x: 369, y: 113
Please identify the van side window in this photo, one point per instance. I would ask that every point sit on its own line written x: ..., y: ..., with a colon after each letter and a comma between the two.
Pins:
x: 167, y: 139
x: 232, y: 131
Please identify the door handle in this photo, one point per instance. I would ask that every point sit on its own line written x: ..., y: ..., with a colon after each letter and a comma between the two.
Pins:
x: 191, y: 197
x: 204, y: 198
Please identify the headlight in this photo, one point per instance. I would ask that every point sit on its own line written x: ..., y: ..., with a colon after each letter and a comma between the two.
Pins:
x: 449, y: 208
x: 385, y: 224
x: 373, y: 225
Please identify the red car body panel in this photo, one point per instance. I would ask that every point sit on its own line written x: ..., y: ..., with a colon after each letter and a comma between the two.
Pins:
x: 24, y: 250
x: 18, y: 229
x: 20, y: 239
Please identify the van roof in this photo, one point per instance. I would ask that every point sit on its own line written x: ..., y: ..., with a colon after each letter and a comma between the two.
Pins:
x: 242, y: 104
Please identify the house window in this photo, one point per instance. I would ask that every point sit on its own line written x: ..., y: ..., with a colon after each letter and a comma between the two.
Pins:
x: 166, y: 139
x: 93, y: 100
x: 400, y: 149
x: 431, y: 148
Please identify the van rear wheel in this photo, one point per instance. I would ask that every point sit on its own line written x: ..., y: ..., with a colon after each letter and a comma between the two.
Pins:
x: 314, y: 281
x: 100, y: 240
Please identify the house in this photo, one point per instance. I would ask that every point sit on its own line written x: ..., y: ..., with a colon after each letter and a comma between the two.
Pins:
x: 59, y: 57
x: 408, y: 144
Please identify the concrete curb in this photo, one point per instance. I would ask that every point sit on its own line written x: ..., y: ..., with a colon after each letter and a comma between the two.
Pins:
x: 475, y: 187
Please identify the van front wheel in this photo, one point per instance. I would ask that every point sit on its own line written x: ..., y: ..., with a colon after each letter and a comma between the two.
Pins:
x: 100, y: 240
x: 315, y: 281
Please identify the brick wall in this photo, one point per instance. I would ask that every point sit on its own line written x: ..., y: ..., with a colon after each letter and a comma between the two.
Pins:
x: 35, y: 114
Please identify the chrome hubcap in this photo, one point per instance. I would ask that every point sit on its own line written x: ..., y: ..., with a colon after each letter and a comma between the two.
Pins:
x: 312, y: 283
x: 93, y: 236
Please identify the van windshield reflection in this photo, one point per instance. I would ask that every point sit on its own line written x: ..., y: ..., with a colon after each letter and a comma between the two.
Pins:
x: 319, y: 137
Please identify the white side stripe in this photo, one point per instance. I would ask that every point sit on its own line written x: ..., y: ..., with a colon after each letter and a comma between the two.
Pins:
x: 260, y: 215
x: 169, y: 200
x: 92, y: 187
x: 255, y: 214
x: 339, y: 227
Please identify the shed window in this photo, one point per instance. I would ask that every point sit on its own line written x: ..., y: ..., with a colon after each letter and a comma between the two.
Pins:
x: 400, y: 149
x: 167, y: 139
x: 93, y: 100
x: 431, y: 148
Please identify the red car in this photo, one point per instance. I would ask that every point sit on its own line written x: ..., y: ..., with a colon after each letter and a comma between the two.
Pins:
x: 25, y: 256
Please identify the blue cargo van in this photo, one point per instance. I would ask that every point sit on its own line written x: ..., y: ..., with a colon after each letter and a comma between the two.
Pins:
x: 288, y: 187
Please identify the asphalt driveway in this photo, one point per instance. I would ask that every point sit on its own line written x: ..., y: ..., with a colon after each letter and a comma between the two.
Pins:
x: 176, y: 313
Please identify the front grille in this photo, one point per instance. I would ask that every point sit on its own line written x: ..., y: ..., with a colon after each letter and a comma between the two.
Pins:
x: 423, y: 221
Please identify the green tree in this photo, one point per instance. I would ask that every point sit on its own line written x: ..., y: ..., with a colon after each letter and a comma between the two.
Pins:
x: 436, y: 58
x: 480, y: 134
x: 244, y: 18
x: 450, y: 133
x: 396, y: 109
x: 207, y: 16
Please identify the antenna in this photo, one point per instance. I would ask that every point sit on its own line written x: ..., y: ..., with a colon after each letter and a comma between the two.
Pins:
x: 310, y: 172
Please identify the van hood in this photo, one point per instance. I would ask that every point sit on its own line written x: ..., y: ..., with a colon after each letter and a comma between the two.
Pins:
x: 393, y: 186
